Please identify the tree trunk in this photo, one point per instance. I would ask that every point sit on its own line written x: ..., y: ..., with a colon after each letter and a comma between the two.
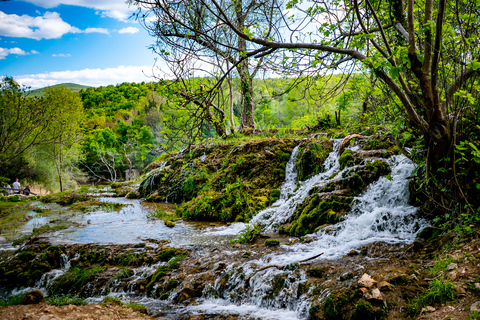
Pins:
x: 246, y: 81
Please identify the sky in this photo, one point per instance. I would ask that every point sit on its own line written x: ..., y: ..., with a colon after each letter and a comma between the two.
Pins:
x: 88, y: 42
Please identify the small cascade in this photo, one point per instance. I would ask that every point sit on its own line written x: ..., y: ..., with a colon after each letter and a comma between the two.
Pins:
x: 149, y: 182
x: 280, y: 211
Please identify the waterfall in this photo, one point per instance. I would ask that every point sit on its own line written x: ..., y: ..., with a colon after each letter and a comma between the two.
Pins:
x: 380, y: 214
x: 271, y: 218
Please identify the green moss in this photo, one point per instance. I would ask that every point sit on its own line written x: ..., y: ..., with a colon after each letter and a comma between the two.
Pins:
x: 334, y: 306
x: 365, y: 310
x: 167, y: 253
x: 346, y: 159
x: 274, y: 195
x: 314, y: 212
x: 272, y: 242
x: 317, y: 272
x: 75, y: 279
x: 311, y: 157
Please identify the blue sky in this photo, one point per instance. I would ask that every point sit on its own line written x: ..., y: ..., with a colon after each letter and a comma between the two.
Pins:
x: 89, y: 42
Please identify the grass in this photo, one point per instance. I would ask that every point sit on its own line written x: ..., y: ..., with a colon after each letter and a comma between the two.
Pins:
x: 161, y: 214
x: 131, y: 305
x: 11, y: 301
x: 64, y: 300
x: 250, y: 234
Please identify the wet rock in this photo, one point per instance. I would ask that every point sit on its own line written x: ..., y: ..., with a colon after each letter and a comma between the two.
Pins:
x: 170, y: 224
x: 384, y: 286
x: 33, y: 297
x: 272, y: 242
x: 452, y: 266
x: 475, y: 306
x: 353, y: 253
x: 366, y: 281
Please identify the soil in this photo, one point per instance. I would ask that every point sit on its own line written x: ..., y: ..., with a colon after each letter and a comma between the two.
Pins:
x: 43, y: 311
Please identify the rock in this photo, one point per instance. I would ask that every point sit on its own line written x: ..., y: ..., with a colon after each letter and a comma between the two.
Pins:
x: 452, y: 266
x: 366, y: 281
x: 384, y: 286
x: 475, y: 306
x: 453, y: 274
x: 477, y: 285
x: 33, y: 297
x: 460, y: 290
x: 428, y: 309
x: 363, y: 291
x: 170, y: 224
x: 353, y: 253
x: 376, y: 294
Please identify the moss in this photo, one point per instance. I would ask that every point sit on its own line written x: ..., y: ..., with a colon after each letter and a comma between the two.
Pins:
x: 231, y: 183
x: 272, y: 242
x: 317, y: 272
x: 346, y: 159
x: 26, y: 256
x: 167, y: 253
x: 314, y: 212
x: 365, y: 310
x: 159, y: 273
x: 335, y: 305
x: 274, y: 195
x: 169, y: 224
x: 311, y: 157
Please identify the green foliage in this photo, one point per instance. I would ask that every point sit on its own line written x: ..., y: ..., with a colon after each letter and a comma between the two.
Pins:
x: 11, y: 300
x: 75, y: 279
x: 438, y: 292
x: 249, y: 235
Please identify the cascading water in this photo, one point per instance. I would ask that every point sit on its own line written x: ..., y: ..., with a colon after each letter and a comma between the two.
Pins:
x: 380, y: 214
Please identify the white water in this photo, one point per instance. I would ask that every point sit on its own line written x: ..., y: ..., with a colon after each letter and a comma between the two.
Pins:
x: 380, y: 214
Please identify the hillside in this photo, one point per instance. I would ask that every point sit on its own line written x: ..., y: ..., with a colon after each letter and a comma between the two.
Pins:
x: 72, y: 86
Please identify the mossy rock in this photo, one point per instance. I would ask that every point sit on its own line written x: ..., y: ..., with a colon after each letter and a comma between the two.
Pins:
x: 311, y: 157
x: 272, y: 242
x: 335, y: 306
x: 169, y: 224
x: 365, y: 310
x: 314, y: 212
x: 347, y: 159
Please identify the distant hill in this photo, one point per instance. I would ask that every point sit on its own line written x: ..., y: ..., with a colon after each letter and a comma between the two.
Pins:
x: 72, y: 86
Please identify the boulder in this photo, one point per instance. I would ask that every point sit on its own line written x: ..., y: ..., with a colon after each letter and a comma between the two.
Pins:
x: 384, y: 286
x: 33, y: 297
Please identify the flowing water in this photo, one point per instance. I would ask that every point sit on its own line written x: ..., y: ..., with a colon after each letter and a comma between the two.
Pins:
x: 380, y: 214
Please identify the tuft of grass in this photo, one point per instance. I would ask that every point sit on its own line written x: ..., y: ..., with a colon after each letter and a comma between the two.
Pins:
x: 64, y: 300
x: 250, y: 234
x: 439, y: 292
x: 131, y: 305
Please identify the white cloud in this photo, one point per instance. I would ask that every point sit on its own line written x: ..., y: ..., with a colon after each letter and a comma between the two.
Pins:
x: 131, y: 30
x: 48, y: 26
x: 90, y: 77
x: 4, y: 52
x: 116, y: 9
x: 62, y: 55
x: 97, y: 30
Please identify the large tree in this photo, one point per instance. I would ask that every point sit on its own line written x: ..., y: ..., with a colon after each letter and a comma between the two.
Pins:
x: 195, y: 42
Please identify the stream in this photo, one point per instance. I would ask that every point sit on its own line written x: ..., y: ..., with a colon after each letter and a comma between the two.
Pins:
x: 381, y: 214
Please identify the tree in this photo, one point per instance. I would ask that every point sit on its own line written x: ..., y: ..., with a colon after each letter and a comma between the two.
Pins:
x: 425, y: 52
x: 197, y: 42
x: 24, y: 121
x: 63, y: 152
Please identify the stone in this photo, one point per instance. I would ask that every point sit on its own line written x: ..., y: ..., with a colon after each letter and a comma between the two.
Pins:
x: 453, y: 274
x: 477, y: 285
x: 376, y: 294
x: 428, y: 309
x: 452, y: 266
x: 363, y: 291
x: 384, y: 286
x: 169, y: 224
x: 353, y: 253
x: 34, y: 297
x: 475, y: 306
x: 366, y: 281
